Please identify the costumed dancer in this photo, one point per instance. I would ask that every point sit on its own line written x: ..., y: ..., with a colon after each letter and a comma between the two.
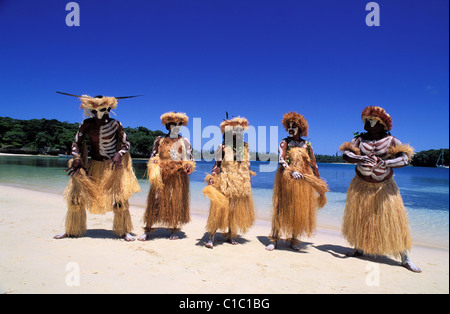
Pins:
x: 107, y: 180
x: 375, y: 219
x: 228, y: 185
x: 171, y: 161
x: 298, y: 190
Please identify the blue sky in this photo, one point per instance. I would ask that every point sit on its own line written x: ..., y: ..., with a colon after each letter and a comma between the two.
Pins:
x: 254, y: 58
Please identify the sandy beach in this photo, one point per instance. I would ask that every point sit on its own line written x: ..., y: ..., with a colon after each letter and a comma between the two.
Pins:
x: 31, y: 261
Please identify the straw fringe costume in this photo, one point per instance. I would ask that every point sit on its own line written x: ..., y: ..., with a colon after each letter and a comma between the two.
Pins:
x: 296, y: 201
x: 375, y: 220
x: 101, y: 190
x: 96, y: 187
x: 230, y: 195
x: 168, y: 201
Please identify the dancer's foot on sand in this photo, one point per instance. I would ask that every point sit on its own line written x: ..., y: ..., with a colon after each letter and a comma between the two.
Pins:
x: 173, y: 235
x: 128, y: 237
x: 296, y: 245
x: 60, y: 236
x: 408, y: 264
x: 209, y: 244
x: 144, y: 236
x: 355, y: 253
x: 271, y: 247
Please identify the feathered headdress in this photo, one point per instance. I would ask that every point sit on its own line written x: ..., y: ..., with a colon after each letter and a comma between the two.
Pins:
x: 298, y: 119
x: 378, y: 114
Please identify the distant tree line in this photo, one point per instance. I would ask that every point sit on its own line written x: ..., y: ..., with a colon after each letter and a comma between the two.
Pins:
x: 141, y: 140
x: 52, y: 137
x: 329, y: 159
x: 36, y: 135
x: 428, y: 158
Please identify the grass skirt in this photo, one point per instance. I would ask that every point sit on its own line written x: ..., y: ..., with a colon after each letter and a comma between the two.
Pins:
x: 100, y: 190
x: 168, y: 204
x: 295, y: 204
x: 237, y: 215
x: 375, y: 219
x: 231, y: 197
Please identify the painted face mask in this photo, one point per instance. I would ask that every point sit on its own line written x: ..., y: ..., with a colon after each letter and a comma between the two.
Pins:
x: 372, y: 122
x: 102, y: 112
x: 175, y: 130
x: 293, y: 129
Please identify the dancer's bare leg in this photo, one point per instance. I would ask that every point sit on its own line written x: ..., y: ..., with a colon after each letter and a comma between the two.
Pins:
x: 274, y: 240
x: 210, y: 243
x: 233, y: 241
x: 230, y: 238
x: 173, y: 235
x: 295, y: 244
x: 355, y: 253
x: 408, y: 264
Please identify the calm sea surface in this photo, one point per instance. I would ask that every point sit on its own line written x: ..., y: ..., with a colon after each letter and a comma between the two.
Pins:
x: 425, y: 191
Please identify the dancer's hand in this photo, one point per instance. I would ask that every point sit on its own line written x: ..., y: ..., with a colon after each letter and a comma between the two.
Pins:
x: 381, y: 163
x: 116, y: 162
x: 188, y: 169
x: 211, y: 180
x: 74, y: 169
x: 368, y: 160
x: 296, y: 175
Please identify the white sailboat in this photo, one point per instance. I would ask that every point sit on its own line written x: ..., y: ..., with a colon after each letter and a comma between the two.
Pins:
x: 440, y: 161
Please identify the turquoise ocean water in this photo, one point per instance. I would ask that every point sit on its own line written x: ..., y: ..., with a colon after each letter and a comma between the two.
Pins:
x: 425, y: 191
